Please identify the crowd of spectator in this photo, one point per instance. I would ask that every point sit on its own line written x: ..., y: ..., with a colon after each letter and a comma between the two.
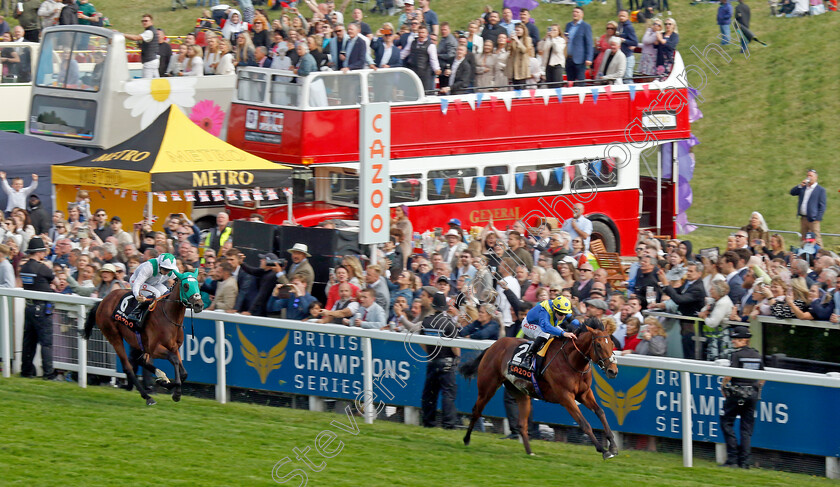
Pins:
x: 490, y: 281
x: 496, y: 49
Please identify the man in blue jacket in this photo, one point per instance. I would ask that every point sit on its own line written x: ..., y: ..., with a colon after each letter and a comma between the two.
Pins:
x: 580, y: 47
x: 724, y: 18
x: 629, y: 41
x: 811, y: 205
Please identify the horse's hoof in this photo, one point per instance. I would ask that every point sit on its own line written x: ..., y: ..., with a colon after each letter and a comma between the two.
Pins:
x: 466, y: 442
x: 176, y: 397
x: 608, y: 455
x: 150, y: 401
x: 532, y: 454
x: 168, y: 385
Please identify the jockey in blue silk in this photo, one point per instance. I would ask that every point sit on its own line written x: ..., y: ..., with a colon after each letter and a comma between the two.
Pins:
x: 550, y: 317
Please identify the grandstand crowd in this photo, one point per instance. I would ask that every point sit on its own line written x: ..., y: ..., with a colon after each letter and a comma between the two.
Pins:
x: 491, y: 277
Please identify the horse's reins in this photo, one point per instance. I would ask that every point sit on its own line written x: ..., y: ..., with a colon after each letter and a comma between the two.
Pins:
x: 584, y: 355
x: 192, y: 324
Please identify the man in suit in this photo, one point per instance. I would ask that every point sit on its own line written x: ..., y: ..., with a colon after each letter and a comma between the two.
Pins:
x: 300, y: 264
x: 628, y: 42
x: 385, y: 53
x: 356, y: 55
x: 728, y: 263
x: 614, y: 63
x: 462, y: 74
x: 811, y: 205
x: 245, y: 283
x: 227, y: 290
x: 580, y: 46
x: 690, y: 299
x: 452, y: 250
x: 261, y: 56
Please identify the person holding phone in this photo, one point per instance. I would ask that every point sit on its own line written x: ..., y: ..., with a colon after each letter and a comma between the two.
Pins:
x: 811, y: 204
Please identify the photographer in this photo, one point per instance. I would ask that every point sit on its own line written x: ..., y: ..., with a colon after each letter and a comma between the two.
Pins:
x: 293, y: 298
x: 741, y: 395
x: 266, y: 276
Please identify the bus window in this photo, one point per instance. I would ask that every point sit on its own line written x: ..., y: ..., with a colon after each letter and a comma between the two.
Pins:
x: 549, y: 178
x: 17, y: 67
x: 600, y: 173
x: 406, y: 188
x: 334, y: 90
x: 392, y: 86
x: 501, y: 185
x: 63, y: 117
x: 283, y: 91
x: 344, y: 188
x: 251, y: 86
x: 72, y: 60
x: 449, y: 184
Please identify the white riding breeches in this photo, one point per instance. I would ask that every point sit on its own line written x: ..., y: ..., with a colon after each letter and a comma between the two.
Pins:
x: 151, y: 290
x: 533, y: 331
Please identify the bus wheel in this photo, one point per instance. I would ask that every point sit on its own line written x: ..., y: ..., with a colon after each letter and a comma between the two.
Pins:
x: 605, y: 233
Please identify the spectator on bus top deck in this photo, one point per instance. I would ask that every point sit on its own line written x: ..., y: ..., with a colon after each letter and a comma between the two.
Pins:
x: 16, y: 194
x: 148, y: 40
x: 579, y: 225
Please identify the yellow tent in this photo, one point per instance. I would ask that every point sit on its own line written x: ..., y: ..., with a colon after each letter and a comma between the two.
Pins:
x: 171, y: 154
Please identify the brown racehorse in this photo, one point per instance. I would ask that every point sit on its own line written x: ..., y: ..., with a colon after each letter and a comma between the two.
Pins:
x: 163, y: 332
x: 566, y: 377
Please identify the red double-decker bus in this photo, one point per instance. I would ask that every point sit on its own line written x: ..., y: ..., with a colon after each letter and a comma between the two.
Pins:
x: 500, y: 156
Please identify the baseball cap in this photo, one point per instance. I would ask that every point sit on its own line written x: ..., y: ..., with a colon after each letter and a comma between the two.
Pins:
x: 116, y: 219
x: 455, y: 221
x: 269, y: 258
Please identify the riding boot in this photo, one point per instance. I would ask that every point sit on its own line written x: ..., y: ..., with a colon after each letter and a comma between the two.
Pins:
x: 142, y: 311
x: 535, y: 347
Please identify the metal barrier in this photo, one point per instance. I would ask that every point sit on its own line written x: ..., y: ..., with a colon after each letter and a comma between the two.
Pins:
x: 93, y: 359
x: 727, y: 227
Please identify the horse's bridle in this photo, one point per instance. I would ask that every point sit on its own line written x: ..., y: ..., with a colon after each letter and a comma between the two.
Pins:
x: 176, y: 300
x: 600, y: 363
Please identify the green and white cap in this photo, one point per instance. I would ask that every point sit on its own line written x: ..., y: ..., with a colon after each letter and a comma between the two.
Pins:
x: 167, y: 262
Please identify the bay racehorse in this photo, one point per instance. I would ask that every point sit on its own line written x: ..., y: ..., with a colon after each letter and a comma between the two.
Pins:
x: 161, y: 337
x: 565, y: 378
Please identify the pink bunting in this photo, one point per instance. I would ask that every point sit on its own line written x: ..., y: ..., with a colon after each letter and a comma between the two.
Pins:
x: 532, y: 176
x: 494, y: 181
x: 570, y: 170
x: 453, y: 182
x: 646, y: 88
x: 533, y: 93
x: 608, y: 89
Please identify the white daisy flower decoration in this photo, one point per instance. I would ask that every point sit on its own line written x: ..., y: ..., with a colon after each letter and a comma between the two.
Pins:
x: 151, y: 97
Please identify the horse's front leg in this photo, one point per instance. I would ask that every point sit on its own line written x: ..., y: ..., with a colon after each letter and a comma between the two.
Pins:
x: 568, y: 402
x: 588, y: 400
x: 175, y: 360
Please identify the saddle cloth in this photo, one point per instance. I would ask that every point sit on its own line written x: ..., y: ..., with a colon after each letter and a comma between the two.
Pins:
x: 127, y: 313
x: 517, y: 369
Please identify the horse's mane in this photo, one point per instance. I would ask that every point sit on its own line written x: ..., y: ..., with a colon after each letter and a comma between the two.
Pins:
x: 594, y: 323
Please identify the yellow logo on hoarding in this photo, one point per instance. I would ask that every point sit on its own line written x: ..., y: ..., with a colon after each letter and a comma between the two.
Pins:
x: 264, y: 363
x: 620, y: 403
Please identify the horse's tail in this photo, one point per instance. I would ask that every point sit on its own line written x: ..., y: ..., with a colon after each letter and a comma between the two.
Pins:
x: 470, y: 369
x: 90, y: 321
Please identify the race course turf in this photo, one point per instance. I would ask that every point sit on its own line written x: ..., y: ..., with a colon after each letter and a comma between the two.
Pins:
x: 59, y: 434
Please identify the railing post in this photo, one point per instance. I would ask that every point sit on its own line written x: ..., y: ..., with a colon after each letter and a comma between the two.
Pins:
x: 221, y: 375
x: 82, y: 346
x: 367, y: 376
x: 16, y: 311
x: 832, y: 467
x: 6, y: 335
x: 685, y: 404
